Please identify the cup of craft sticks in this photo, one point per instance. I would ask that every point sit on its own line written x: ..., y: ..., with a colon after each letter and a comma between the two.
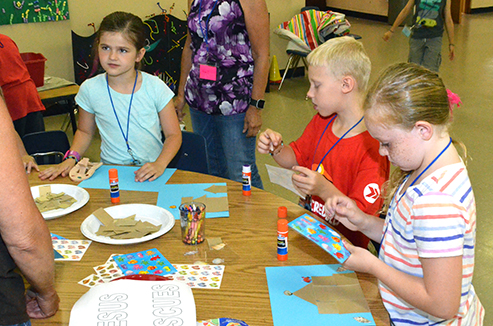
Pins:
x: 192, y: 216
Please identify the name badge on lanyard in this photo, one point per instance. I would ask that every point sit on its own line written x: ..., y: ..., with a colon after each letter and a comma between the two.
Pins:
x: 207, y: 71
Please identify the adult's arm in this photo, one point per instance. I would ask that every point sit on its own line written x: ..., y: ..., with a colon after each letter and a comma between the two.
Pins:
x: 22, y: 227
x: 257, y: 24
x: 186, y: 65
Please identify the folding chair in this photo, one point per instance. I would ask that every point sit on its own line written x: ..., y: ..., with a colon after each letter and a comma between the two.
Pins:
x: 192, y: 155
x: 47, y: 147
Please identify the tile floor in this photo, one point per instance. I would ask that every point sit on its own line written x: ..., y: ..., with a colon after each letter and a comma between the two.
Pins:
x: 470, y: 75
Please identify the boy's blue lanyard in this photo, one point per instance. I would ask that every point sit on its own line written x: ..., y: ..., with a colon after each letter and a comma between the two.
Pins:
x: 206, y: 37
x: 129, y: 150
x: 426, y: 12
x: 337, y: 142
x: 426, y: 168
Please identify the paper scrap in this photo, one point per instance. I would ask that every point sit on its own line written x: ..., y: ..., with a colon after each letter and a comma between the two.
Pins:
x: 215, y: 189
x: 282, y: 177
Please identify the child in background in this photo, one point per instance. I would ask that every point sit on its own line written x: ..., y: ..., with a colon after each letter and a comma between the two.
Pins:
x: 335, y: 155
x: 430, y: 18
x: 428, y: 237
x: 129, y: 107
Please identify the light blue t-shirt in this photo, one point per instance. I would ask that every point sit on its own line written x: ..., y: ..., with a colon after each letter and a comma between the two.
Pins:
x: 144, y: 136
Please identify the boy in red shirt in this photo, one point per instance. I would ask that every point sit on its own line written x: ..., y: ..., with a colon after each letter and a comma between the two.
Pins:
x: 335, y: 154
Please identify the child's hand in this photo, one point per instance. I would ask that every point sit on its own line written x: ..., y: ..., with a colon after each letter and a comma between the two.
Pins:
x: 149, y: 171
x: 309, y: 182
x: 268, y: 141
x: 29, y: 163
x: 345, y: 210
x: 62, y: 169
x: 387, y: 36
x: 360, y: 260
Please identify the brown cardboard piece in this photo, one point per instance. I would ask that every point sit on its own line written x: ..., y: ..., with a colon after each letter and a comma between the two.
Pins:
x: 124, y: 228
x: 215, y: 189
x: 48, y: 201
x: 336, y: 294
x: 212, y: 204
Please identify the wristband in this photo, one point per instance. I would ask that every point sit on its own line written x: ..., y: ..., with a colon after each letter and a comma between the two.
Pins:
x: 72, y: 154
x: 391, y: 31
x: 451, y: 44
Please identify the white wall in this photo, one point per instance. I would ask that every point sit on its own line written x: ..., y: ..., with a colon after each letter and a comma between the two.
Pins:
x: 53, y: 39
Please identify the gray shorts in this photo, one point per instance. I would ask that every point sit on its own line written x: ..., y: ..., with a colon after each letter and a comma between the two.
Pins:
x: 426, y: 52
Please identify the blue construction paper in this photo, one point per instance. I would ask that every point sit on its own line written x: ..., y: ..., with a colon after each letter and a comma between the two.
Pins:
x: 149, y: 261
x: 170, y: 196
x: 322, y: 235
x: 57, y: 254
x: 292, y: 310
x: 126, y: 179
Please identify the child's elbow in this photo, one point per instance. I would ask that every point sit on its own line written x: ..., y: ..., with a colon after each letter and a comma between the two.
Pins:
x: 448, y: 311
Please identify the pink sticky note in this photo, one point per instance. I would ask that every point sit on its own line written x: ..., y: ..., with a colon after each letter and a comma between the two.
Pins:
x: 208, y: 72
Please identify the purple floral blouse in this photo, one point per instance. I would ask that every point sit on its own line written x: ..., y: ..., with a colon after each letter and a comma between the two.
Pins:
x: 228, y: 48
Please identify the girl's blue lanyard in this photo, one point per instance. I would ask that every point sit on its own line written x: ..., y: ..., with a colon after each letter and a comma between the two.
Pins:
x: 205, y: 34
x: 129, y: 150
x: 426, y: 168
x: 337, y: 142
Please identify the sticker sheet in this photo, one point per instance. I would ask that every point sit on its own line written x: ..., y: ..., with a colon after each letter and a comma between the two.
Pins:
x: 103, y: 273
x: 72, y: 250
x: 200, y: 276
x: 322, y: 235
x: 144, y: 262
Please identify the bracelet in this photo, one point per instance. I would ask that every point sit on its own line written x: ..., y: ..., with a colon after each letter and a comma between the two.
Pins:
x: 451, y: 44
x: 278, y: 150
x: 391, y: 31
x: 72, y: 154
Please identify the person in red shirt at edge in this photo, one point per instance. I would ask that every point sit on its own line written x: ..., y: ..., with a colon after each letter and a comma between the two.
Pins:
x: 335, y: 154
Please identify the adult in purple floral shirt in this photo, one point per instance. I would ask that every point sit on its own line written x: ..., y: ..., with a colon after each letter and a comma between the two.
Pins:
x: 225, y: 65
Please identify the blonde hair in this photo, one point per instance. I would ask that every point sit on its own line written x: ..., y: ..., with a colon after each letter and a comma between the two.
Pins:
x: 404, y: 94
x: 343, y: 56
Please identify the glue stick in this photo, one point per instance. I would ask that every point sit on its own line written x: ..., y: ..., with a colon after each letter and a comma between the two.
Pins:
x: 114, y: 189
x: 282, y: 233
x: 247, y: 180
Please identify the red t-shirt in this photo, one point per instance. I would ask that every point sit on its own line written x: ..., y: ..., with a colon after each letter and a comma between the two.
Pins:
x: 354, y: 165
x: 19, y: 90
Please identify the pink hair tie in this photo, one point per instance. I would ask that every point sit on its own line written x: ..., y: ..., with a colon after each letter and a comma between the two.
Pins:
x: 453, y: 99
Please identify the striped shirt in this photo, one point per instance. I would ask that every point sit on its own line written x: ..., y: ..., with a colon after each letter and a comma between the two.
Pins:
x: 436, y: 218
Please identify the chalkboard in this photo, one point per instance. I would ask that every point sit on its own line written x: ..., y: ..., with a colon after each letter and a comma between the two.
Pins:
x: 22, y: 11
x: 167, y: 35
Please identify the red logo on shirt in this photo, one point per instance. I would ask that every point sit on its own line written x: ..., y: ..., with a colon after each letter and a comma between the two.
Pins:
x: 372, y: 192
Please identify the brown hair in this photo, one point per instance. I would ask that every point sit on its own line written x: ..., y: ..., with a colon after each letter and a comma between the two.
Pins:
x: 125, y: 23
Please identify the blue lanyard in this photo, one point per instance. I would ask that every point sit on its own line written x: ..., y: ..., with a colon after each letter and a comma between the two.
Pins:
x: 129, y: 150
x: 206, y: 38
x: 337, y: 142
x: 419, y: 176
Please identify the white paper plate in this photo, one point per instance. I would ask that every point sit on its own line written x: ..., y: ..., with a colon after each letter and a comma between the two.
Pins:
x: 150, y: 213
x: 80, y: 194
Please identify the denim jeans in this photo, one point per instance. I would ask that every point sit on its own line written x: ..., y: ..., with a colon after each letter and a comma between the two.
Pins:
x: 27, y: 323
x: 426, y: 52
x: 228, y: 148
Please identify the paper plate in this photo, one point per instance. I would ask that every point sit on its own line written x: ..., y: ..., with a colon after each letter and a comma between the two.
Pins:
x: 150, y: 213
x: 80, y: 194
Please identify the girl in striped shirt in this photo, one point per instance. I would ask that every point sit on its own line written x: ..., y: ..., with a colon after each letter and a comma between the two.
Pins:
x: 426, y: 260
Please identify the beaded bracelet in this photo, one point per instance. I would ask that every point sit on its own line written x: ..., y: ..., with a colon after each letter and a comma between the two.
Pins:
x: 72, y: 154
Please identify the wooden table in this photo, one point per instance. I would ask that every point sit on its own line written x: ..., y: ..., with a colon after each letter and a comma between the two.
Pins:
x: 66, y: 93
x: 250, y: 234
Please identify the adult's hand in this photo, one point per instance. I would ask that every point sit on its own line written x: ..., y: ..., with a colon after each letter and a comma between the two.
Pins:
x: 253, y: 122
